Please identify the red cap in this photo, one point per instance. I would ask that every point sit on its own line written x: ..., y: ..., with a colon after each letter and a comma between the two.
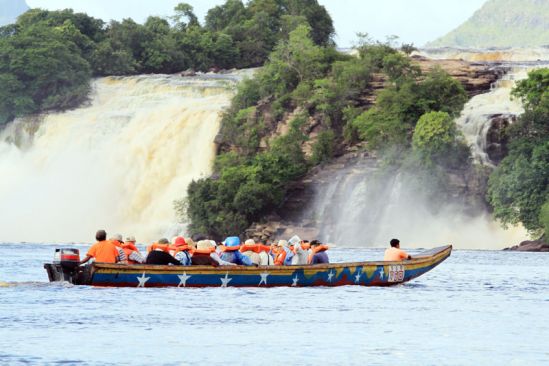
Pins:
x: 180, y: 241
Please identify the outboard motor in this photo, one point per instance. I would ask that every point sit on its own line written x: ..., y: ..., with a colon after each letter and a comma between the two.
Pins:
x: 64, y: 266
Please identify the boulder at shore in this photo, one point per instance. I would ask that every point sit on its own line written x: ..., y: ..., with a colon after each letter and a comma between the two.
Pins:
x: 531, y: 246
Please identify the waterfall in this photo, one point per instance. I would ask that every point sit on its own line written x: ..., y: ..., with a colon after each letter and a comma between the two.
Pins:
x: 365, y: 208
x: 476, y: 118
x: 361, y: 207
x: 117, y: 163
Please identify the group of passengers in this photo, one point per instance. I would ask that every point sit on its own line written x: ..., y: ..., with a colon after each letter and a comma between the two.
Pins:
x: 202, y: 251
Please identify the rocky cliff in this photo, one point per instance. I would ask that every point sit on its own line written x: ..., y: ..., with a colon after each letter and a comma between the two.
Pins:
x: 299, y: 214
x: 11, y: 9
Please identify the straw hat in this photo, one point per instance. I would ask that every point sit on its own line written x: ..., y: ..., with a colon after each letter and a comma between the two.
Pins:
x: 131, y: 239
x: 204, y: 244
x: 190, y: 242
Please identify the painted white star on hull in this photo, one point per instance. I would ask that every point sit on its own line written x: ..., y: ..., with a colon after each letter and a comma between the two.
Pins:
x: 381, y: 273
x: 294, y: 281
x: 330, y: 275
x: 142, y: 280
x: 183, y: 279
x: 225, y: 280
x: 358, y: 274
x: 263, y: 278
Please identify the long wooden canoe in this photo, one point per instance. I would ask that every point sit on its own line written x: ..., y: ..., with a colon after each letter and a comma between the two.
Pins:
x: 372, y: 273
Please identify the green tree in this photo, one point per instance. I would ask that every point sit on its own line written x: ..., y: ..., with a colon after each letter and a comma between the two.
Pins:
x: 437, y: 140
x: 519, y: 186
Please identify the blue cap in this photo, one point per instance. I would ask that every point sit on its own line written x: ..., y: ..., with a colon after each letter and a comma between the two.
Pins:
x: 232, y: 241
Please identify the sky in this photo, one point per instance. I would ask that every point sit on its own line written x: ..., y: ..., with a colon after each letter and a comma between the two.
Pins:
x: 414, y: 21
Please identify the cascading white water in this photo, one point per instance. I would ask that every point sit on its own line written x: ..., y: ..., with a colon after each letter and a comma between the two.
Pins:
x: 475, y: 119
x: 118, y: 163
x: 360, y: 208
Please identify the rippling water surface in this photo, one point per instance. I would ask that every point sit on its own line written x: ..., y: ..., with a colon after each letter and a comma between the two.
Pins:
x: 478, y: 307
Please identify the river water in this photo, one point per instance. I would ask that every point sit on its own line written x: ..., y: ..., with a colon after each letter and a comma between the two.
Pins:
x: 478, y: 307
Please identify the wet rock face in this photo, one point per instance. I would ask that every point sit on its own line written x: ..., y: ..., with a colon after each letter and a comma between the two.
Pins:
x: 476, y: 78
x: 497, y: 137
x: 531, y: 246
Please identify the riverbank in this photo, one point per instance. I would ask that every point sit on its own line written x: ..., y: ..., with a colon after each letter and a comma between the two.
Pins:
x: 530, y: 246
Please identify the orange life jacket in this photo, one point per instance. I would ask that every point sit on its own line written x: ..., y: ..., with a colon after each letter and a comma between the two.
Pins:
x: 129, y: 251
x: 280, y: 256
x: 317, y: 249
x: 256, y: 248
x: 129, y: 245
x: 154, y: 246
x: 178, y: 248
x: 229, y: 249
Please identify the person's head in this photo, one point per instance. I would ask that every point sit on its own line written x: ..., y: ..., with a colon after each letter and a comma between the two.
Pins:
x: 101, y: 235
x: 117, y: 237
x: 130, y: 239
x: 395, y: 243
x: 163, y: 241
x: 179, y: 241
x: 314, y: 243
x: 249, y: 242
x: 282, y: 243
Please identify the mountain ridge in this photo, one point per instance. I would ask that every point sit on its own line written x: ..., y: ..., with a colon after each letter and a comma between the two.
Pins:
x: 502, y: 23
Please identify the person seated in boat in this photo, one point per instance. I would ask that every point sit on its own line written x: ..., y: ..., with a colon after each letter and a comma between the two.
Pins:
x: 257, y: 252
x: 205, y: 254
x: 318, y: 253
x: 180, y: 251
x: 300, y: 248
x: 394, y: 253
x: 117, y: 240
x: 104, y: 251
x: 159, y: 254
x: 131, y: 251
x: 283, y: 254
x: 230, y: 252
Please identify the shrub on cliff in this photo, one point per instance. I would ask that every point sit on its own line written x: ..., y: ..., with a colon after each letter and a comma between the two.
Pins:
x: 392, y: 120
x: 437, y: 140
x: 244, y: 189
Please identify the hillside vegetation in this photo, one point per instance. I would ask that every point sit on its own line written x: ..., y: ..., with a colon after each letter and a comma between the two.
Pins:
x: 502, y: 23
x: 308, y: 87
x: 48, y: 57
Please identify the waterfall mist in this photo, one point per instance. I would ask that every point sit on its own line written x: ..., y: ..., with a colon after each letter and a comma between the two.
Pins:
x: 362, y: 208
x: 118, y: 163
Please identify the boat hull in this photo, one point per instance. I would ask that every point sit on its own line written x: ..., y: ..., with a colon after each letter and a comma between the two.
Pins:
x: 335, y: 274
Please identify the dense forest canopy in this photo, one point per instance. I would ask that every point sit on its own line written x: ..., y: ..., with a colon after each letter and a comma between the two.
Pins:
x: 48, y: 57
